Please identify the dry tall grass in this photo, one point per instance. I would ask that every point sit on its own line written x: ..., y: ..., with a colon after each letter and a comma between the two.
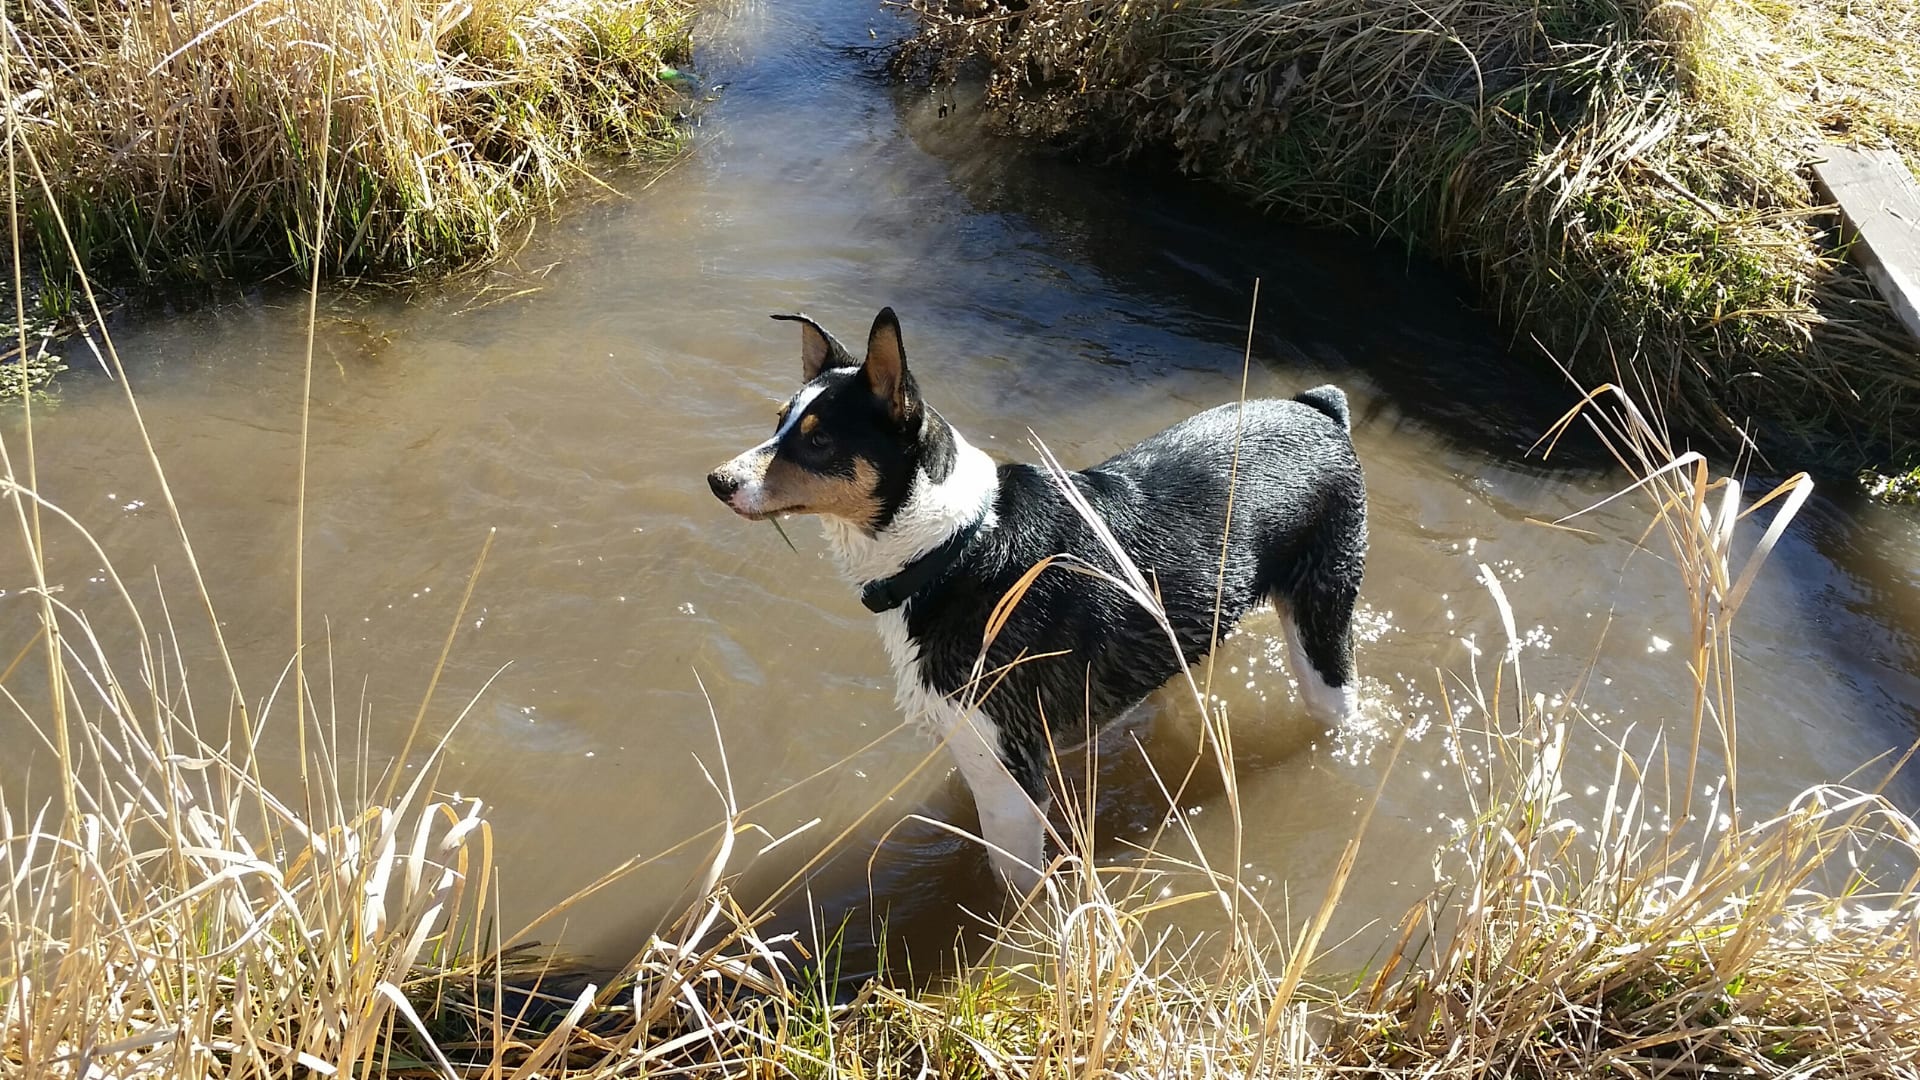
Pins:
x: 203, y: 140
x: 1625, y: 180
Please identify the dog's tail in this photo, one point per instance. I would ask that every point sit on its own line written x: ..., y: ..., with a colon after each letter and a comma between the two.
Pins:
x: 1329, y: 399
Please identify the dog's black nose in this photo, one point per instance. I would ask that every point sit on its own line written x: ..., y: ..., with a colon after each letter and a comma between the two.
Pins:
x: 723, y: 484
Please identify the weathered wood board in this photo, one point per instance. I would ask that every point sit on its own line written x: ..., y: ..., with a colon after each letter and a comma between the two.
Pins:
x: 1881, y: 204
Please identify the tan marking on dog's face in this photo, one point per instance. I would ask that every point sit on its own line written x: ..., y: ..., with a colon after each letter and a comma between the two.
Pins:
x: 801, y: 491
x: 767, y: 484
x: 808, y: 423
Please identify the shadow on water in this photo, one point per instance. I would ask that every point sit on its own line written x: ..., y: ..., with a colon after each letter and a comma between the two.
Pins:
x: 916, y: 900
x: 1331, y: 301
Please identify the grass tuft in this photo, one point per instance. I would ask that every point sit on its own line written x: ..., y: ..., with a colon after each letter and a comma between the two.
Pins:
x: 1904, y: 488
x: 183, y: 144
x: 27, y: 362
x: 1626, y: 181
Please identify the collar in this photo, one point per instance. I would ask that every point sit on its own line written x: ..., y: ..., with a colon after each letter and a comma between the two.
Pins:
x: 890, y: 592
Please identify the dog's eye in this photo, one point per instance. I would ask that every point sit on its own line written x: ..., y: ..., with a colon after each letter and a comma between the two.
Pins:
x: 819, y: 440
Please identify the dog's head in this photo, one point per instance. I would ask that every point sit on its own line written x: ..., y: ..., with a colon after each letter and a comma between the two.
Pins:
x: 847, y: 444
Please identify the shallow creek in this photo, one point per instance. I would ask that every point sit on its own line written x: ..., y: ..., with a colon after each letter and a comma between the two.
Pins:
x: 572, y: 402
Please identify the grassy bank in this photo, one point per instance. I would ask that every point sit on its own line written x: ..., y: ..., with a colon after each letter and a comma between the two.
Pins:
x: 201, y: 141
x: 1625, y: 181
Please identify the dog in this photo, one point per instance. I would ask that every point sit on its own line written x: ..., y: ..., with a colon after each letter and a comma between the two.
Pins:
x: 935, y: 534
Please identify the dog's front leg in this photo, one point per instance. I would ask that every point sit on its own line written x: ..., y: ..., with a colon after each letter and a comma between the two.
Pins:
x: 1012, y: 826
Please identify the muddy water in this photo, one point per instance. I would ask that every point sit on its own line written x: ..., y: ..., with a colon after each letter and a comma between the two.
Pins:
x: 571, y: 403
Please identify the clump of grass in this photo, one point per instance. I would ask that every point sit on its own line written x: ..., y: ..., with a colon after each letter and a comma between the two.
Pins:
x: 196, y: 142
x: 1904, y: 488
x: 171, y: 915
x: 166, y: 912
x: 1626, y: 181
x: 1634, y: 940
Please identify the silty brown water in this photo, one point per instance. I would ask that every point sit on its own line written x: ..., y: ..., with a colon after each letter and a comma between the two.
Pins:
x: 572, y: 402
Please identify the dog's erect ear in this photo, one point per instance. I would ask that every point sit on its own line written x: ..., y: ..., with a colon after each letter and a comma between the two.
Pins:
x: 818, y: 349
x: 886, y: 366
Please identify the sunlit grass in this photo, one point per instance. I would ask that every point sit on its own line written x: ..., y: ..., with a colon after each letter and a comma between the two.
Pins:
x: 1626, y: 182
x: 1904, y: 488
x: 27, y: 361
x: 215, y: 140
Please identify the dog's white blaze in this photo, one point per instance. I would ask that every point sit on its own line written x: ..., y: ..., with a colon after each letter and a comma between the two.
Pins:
x: 801, y: 402
x: 751, y: 498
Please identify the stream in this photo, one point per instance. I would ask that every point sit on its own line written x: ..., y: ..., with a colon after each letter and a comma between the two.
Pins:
x: 627, y: 632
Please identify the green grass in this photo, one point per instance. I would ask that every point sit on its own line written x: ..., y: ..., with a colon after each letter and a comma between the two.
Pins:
x: 1902, y: 488
x: 1625, y: 181
x: 27, y: 362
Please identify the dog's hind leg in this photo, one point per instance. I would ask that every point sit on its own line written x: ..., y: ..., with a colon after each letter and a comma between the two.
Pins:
x: 1012, y: 825
x: 1317, y: 614
x: 1322, y: 663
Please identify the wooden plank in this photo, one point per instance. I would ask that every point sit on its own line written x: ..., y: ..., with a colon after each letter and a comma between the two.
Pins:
x: 1881, y: 204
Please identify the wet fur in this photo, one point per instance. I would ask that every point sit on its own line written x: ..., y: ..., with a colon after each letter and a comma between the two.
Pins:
x: 906, y: 481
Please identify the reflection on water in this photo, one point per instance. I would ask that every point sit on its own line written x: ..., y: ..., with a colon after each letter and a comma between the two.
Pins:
x: 643, y: 631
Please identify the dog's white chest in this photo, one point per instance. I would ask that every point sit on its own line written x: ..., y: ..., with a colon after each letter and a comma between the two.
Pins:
x: 930, y: 712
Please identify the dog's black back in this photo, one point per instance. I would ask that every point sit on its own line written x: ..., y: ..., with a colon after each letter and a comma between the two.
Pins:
x: 1298, y: 538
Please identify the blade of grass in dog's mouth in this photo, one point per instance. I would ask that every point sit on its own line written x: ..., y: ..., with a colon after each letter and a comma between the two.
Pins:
x: 775, y: 522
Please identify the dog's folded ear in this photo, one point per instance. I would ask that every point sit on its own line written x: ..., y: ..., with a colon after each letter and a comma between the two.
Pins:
x: 818, y: 349
x: 886, y: 365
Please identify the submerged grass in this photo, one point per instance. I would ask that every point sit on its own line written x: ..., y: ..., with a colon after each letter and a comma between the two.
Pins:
x: 27, y: 360
x: 201, y: 141
x: 167, y: 910
x: 1904, y: 488
x: 1625, y: 180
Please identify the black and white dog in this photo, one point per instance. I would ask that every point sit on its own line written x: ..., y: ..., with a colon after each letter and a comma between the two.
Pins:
x: 935, y: 534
